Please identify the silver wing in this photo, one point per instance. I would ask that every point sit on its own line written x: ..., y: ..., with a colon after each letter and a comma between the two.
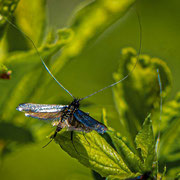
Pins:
x: 42, y: 111
x: 30, y: 107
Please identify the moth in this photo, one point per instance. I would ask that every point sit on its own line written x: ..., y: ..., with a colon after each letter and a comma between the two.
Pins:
x: 67, y: 116
x: 64, y: 116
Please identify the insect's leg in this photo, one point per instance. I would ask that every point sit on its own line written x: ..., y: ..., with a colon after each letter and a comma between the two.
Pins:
x: 47, y: 143
x: 72, y: 132
x: 55, y: 133
x: 85, y: 137
x: 53, y: 136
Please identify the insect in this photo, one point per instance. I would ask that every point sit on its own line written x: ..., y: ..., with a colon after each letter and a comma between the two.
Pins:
x: 67, y: 116
x: 63, y: 116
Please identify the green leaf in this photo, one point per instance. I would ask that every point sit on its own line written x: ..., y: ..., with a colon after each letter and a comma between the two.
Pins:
x: 7, y: 7
x: 169, y: 152
x: 146, y: 143
x: 129, y: 157
x: 89, y: 22
x: 104, y: 118
x: 12, y: 135
x: 11, y: 132
x: 33, y: 19
x: 30, y: 18
x: 94, y: 152
x: 114, y: 138
x: 139, y: 95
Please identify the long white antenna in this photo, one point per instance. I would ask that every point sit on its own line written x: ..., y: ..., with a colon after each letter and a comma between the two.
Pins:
x: 139, y: 52
x: 27, y: 37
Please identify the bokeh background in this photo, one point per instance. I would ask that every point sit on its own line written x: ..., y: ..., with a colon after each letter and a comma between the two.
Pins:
x: 92, y: 70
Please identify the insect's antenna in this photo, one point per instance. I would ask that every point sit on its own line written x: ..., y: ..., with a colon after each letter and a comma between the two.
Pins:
x: 27, y: 37
x: 56, y: 79
x: 160, y: 116
x: 138, y: 54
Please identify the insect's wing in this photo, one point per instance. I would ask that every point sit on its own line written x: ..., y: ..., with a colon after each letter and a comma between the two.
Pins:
x: 42, y: 111
x: 44, y: 115
x: 30, y: 107
x: 89, y: 122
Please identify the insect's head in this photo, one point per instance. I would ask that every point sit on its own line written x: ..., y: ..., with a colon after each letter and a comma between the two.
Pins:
x: 75, y: 103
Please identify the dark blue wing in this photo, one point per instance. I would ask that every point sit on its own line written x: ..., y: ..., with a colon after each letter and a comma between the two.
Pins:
x: 89, y: 122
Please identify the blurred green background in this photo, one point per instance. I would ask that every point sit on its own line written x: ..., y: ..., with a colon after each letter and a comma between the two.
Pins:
x: 92, y: 70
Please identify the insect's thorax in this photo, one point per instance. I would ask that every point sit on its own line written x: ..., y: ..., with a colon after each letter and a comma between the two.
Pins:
x: 68, y: 112
x: 67, y: 119
x: 74, y: 105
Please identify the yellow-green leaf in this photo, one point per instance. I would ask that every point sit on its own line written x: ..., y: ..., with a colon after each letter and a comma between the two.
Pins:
x: 130, y: 158
x: 31, y: 18
x: 88, y: 23
x: 94, y: 152
x: 140, y: 94
x: 146, y: 143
